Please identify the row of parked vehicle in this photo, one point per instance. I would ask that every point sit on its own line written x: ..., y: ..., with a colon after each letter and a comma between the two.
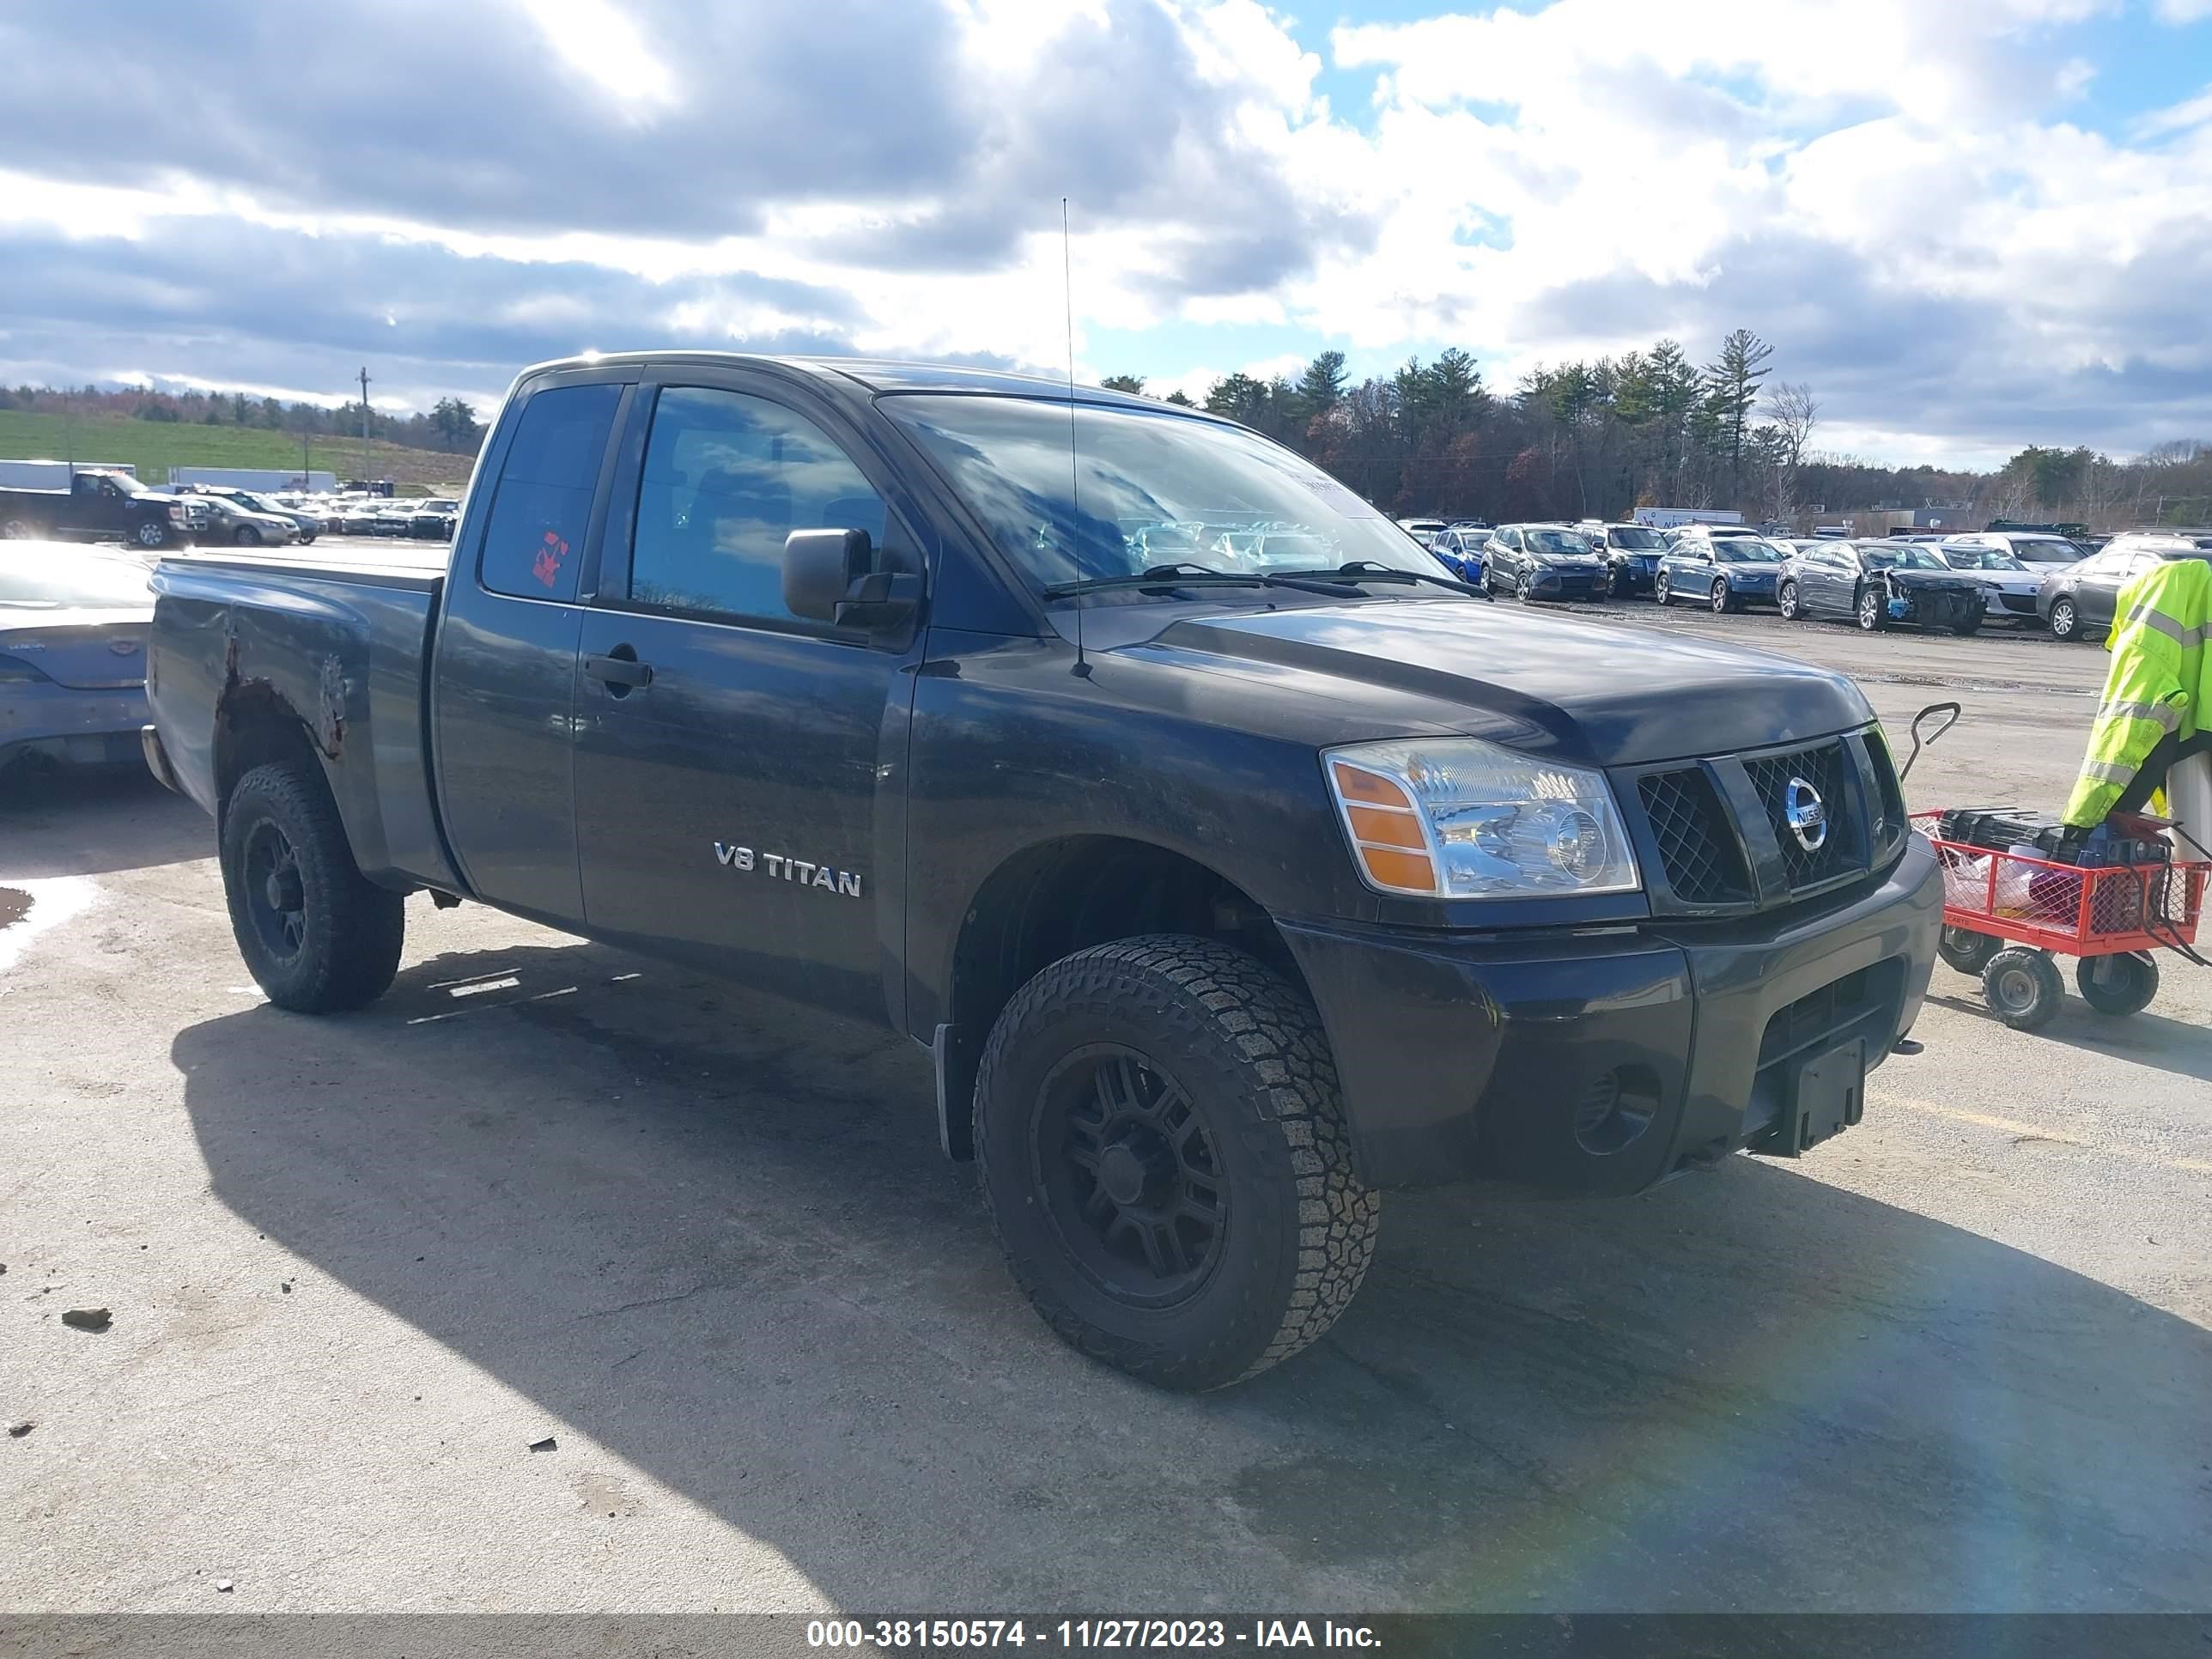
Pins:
x: 1956, y: 582
x: 427, y: 518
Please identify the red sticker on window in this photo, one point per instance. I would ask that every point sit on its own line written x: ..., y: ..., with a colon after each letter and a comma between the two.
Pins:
x: 546, y: 566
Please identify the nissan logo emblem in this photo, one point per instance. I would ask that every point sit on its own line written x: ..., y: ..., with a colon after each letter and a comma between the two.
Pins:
x: 1805, y: 814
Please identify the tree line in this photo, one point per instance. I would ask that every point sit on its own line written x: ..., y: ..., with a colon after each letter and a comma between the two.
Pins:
x: 1654, y: 428
x: 451, y: 425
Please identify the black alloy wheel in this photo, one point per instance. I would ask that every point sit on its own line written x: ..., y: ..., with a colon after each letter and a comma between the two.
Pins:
x: 275, y: 897
x: 1129, y: 1176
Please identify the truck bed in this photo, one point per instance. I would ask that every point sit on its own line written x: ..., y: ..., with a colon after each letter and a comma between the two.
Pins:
x: 338, y: 646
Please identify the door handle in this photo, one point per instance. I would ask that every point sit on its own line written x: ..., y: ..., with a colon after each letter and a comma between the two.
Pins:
x: 619, y: 671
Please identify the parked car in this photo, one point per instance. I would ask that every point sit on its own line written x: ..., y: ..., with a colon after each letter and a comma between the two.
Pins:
x: 1631, y: 554
x: 393, y: 517
x: 230, y: 519
x: 1424, y: 531
x: 73, y: 624
x: 2038, y: 552
x: 2077, y: 601
x: 305, y: 525
x: 355, y: 514
x: 1876, y: 583
x: 1727, y: 571
x: 1460, y: 548
x: 100, y: 505
x: 1542, y: 562
x: 433, y: 519
x: 1223, y: 901
x: 2009, y: 587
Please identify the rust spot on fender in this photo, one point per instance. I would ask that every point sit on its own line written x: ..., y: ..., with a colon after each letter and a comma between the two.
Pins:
x: 330, y: 708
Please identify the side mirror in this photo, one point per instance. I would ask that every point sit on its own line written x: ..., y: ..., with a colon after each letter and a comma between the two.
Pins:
x: 828, y: 575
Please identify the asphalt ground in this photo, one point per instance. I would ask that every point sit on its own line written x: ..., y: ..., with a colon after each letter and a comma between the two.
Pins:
x: 1956, y: 1359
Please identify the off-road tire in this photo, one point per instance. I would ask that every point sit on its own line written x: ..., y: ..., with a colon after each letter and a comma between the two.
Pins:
x: 2022, y: 987
x: 352, y: 929
x: 2126, y: 991
x: 1249, y: 1053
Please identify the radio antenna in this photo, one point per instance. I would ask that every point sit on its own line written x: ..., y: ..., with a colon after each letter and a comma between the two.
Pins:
x: 1074, y: 481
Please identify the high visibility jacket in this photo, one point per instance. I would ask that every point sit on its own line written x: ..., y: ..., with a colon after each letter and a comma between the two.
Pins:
x: 2156, y: 687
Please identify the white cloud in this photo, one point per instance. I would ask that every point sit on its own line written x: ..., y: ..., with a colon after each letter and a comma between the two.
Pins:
x: 600, y: 44
x: 2184, y: 11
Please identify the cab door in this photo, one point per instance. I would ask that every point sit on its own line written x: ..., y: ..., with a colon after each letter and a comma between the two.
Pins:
x: 740, y: 771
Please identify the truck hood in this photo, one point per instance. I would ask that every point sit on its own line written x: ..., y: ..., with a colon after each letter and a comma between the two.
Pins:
x: 1591, y: 692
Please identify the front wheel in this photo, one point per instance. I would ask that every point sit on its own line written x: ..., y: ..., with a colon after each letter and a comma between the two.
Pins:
x: 246, y: 536
x: 1869, y: 610
x: 1160, y: 1140
x: 1785, y: 601
x: 2117, y: 985
x: 2022, y: 987
x: 317, y: 935
x: 2065, y: 620
x: 1723, y: 601
x: 152, y: 532
x: 1662, y: 589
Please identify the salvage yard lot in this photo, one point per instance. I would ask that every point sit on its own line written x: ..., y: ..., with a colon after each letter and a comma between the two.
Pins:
x: 1958, y: 1358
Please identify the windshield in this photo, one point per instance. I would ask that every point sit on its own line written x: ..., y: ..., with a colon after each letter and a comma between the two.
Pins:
x: 2046, y: 550
x: 1206, y: 494
x: 1744, y: 549
x: 1558, y: 541
x: 49, y: 580
x: 1979, y: 558
x: 248, y: 499
x: 1635, y: 537
x: 1902, y: 556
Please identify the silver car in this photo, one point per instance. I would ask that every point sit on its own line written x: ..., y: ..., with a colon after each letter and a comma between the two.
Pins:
x: 73, y: 623
x: 230, y: 521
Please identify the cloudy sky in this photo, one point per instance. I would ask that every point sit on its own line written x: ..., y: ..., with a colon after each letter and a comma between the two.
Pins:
x: 1969, y: 224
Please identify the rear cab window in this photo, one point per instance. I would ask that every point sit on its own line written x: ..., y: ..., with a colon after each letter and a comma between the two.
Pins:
x: 534, y: 538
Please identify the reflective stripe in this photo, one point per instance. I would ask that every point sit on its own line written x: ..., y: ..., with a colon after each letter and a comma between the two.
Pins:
x: 2109, y: 772
x: 2185, y: 637
x: 2167, y: 715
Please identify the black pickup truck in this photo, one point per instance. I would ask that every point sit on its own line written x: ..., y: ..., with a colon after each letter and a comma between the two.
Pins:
x: 1235, y: 863
x: 101, y: 505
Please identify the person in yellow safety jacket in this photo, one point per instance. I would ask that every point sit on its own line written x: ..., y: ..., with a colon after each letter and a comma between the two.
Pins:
x: 2156, y: 693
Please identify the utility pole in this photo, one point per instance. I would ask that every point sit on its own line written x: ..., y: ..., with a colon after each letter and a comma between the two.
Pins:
x: 364, y: 423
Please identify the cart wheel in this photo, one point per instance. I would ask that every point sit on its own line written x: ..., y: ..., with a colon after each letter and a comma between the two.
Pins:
x: 2022, y: 988
x: 1966, y: 950
x: 2122, y: 984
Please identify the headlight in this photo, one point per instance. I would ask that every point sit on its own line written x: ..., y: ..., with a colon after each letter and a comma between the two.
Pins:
x: 1457, y: 817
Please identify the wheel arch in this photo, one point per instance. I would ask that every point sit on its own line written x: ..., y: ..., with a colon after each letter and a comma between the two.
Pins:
x: 1052, y: 899
x: 256, y: 725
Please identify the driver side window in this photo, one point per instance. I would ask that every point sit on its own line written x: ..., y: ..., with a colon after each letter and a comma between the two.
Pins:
x: 727, y: 479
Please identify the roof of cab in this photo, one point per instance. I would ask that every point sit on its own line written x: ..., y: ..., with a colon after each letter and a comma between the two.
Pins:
x: 873, y: 374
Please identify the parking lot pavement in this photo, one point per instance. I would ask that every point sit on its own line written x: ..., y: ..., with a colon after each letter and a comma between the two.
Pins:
x: 1957, y: 1359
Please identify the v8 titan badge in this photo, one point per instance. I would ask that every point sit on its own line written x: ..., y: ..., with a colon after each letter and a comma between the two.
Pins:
x: 845, y: 883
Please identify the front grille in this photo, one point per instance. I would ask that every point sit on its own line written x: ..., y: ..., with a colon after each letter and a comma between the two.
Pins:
x: 1822, y: 767
x: 1697, y: 850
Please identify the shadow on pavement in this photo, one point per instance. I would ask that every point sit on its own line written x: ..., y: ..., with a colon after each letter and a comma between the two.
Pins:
x: 2148, y: 1038
x: 94, y: 821
x: 713, y: 1232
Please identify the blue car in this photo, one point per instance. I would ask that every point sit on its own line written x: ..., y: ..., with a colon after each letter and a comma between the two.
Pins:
x: 73, y: 627
x: 1726, y: 572
x: 1460, y: 552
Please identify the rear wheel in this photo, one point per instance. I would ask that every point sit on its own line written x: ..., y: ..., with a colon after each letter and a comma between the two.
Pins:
x: 2065, y: 620
x: 19, y: 530
x: 316, y: 934
x: 2022, y: 987
x: 1870, y: 609
x: 1967, y: 950
x: 2117, y: 985
x: 1162, y: 1145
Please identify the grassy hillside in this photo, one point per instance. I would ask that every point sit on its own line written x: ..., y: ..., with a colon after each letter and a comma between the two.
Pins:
x: 155, y: 446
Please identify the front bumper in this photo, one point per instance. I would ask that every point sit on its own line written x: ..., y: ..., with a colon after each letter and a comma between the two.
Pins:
x: 1566, y: 584
x: 1491, y: 1056
x: 1630, y: 578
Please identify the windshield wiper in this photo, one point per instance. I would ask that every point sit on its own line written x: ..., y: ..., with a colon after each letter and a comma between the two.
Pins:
x: 1198, y: 575
x: 1374, y: 570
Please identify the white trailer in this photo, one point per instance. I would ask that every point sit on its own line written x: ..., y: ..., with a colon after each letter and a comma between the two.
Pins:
x: 258, y: 478
x: 51, y: 475
x: 1667, y: 518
